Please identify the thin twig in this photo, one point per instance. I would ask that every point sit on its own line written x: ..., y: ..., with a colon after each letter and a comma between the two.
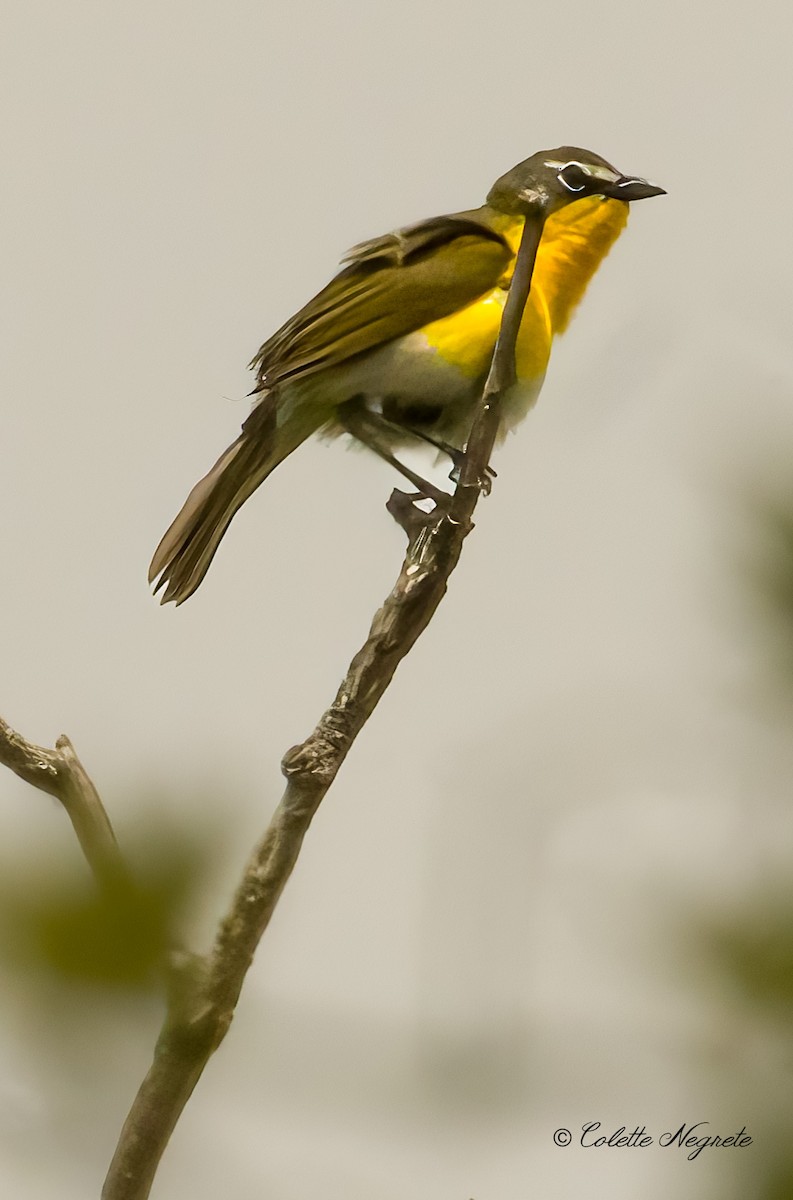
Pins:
x: 60, y: 773
x: 503, y: 369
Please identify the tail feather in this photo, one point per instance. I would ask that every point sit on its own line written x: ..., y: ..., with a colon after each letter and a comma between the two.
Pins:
x: 183, y: 556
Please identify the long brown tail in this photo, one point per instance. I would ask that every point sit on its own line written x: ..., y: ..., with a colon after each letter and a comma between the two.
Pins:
x: 183, y: 556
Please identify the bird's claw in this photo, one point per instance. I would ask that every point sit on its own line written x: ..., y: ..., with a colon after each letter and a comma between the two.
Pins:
x: 484, y: 482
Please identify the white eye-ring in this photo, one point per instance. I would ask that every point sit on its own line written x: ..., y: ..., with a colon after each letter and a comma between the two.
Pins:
x: 577, y: 167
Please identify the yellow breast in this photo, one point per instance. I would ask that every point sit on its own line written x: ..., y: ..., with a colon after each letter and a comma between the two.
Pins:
x: 467, y: 338
x: 574, y: 242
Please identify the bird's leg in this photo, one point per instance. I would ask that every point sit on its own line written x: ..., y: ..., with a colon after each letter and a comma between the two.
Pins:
x: 453, y: 453
x: 373, y: 431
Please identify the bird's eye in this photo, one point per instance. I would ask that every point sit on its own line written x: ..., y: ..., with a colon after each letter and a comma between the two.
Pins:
x: 574, y: 177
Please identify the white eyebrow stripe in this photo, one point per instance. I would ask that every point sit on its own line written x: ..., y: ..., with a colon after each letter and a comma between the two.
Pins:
x: 605, y: 174
x: 591, y: 169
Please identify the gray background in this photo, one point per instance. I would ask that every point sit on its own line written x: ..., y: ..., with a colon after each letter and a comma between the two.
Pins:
x: 480, y: 943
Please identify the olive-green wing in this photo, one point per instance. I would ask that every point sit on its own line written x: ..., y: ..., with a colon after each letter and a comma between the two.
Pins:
x: 393, y: 285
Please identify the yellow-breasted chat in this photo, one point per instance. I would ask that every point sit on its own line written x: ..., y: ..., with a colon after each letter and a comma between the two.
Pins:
x: 397, y: 347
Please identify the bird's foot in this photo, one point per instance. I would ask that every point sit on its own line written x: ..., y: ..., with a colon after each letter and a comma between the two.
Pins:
x: 484, y: 482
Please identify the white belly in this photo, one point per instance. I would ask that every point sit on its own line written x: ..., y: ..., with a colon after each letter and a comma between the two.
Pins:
x: 411, y: 372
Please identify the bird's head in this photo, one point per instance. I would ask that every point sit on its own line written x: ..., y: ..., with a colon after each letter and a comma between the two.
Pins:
x: 552, y: 179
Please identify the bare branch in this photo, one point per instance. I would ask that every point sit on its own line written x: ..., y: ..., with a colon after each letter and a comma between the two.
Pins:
x: 60, y: 773
x: 207, y: 991
x: 203, y: 993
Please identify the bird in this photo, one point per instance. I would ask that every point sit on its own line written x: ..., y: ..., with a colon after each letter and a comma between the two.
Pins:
x: 395, y: 350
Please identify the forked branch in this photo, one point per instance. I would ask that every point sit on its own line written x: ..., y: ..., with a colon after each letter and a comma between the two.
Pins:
x: 60, y: 773
x: 204, y: 991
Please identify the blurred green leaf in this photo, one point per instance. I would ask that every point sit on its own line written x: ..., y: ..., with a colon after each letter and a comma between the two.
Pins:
x: 779, y: 1182
x: 55, y: 919
x: 753, y: 952
x: 770, y: 573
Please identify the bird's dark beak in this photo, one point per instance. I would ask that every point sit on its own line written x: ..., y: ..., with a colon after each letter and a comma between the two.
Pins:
x: 630, y: 187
